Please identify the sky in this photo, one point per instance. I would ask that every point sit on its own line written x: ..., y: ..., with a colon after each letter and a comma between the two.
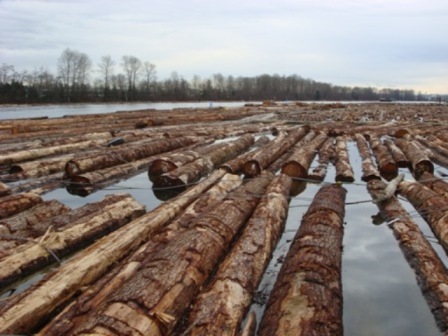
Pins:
x: 380, y: 43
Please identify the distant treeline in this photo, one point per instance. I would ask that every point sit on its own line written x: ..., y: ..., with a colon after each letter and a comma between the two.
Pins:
x: 138, y: 82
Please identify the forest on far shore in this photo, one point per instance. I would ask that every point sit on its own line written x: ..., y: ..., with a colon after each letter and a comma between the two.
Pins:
x: 77, y: 81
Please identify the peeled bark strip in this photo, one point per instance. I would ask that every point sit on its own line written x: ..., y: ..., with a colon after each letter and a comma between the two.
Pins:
x: 300, y: 160
x: 269, y: 154
x: 432, y: 276
x: 344, y: 171
x: 435, y: 184
x: 369, y: 171
x: 4, y: 190
x: 191, y: 172
x: 26, y: 311
x: 153, y: 300
x: 34, y: 255
x: 386, y: 163
x: 307, y: 296
x: 397, y: 154
x: 326, y: 155
x: 431, y: 206
x: 221, y: 306
x: 127, y: 154
x: 13, y: 204
x: 420, y: 162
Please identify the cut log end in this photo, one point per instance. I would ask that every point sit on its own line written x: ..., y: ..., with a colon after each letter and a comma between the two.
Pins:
x: 80, y: 185
x: 294, y: 169
x: 71, y: 169
x: 160, y: 166
x: 251, y: 168
x: 422, y: 167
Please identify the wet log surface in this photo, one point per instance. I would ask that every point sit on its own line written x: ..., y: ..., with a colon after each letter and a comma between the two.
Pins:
x: 387, y: 166
x: 344, y: 171
x: 16, y: 203
x: 369, y: 171
x: 326, y: 155
x: 397, y: 154
x: 418, y: 159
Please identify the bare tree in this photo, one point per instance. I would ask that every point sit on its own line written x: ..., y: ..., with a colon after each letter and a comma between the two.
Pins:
x: 6, y: 71
x: 149, y: 71
x: 107, y: 69
x: 132, y: 67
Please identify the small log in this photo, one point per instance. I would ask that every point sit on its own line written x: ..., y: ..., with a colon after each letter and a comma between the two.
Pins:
x: 4, y: 190
x: 419, y: 160
x: 369, y: 171
x: 387, y: 166
x: 344, y: 171
x: 13, y: 204
x: 397, y: 154
x: 307, y: 296
x: 263, y: 158
x: 435, y: 184
x: 432, y: 276
x: 221, y: 306
x: 25, y: 312
x: 431, y: 206
x: 326, y: 155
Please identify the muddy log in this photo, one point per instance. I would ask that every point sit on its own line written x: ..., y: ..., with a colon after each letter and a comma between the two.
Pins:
x: 369, y: 171
x: 326, y: 155
x: 193, y: 171
x: 265, y: 156
x: 432, y: 276
x: 117, y: 156
x: 300, y: 160
x: 14, y: 204
x: 387, y: 166
x: 344, y: 171
x: 221, y: 306
x: 397, y: 154
x: 307, y: 296
x: 24, y: 312
x: 431, y: 206
x: 4, y: 190
x: 419, y: 160
x: 435, y: 184
x: 153, y: 300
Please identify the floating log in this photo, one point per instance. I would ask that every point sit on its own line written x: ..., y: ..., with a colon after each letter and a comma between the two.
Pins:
x: 25, y: 312
x: 432, y: 276
x: 419, y: 160
x: 344, y: 171
x: 431, y: 206
x: 397, y: 154
x: 221, y: 306
x: 369, y: 171
x: 326, y: 155
x: 387, y: 166
x: 277, y: 148
x: 435, y: 184
x: 13, y: 204
x: 115, y: 156
x: 4, y: 190
x: 38, y: 168
x: 193, y: 171
x: 435, y: 146
x: 300, y: 160
x: 41, y: 185
x: 307, y: 296
x: 154, y: 299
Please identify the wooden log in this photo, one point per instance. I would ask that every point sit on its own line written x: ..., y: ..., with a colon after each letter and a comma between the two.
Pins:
x: 192, y: 172
x: 38, y: 168
x: 152, y: 301
x: 300, y: 160
x: 221, y: 306
x: 387, y: 166
x: 4, y: 190
x: 326, y: 155
x: 432, y: 276
x: 397, y: 154
x: 307, y: 296
x: 41, y: 185
x: 116, y: 156
x: 435, y: 146
x: 435, y: 184
x: 25, y: 312
x: 277, y: 148
x: 431, y: 206
x: 419, y: 160
x: 369, y: 171
x: 344, y: 171
x: 13, y: 204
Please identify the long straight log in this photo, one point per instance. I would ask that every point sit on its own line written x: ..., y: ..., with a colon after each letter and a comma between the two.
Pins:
x: 432, y: 276
x: 24, y: 312
x: 41, y: 185
x: 307, y: 296
x: 431, y: 206
x: 326, y: 155
x: 387, y: 166
x: 152, y: 301
x: 419, y: 160
x: 38, y: 168
x: 397, y: 154
x: 434, y: 183
x: 369, y: 171
x: 221, y: 306
x: 263, y: 158
x: 13, y: 204
x: 344, y: 171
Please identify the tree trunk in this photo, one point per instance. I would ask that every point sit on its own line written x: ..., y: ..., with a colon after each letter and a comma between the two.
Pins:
x: 435, y: 184
x: 420, y: 163
x: 344, y: 171
x: 397, y: 154
x: 38, y: 168
x: 221, y: 306
x: 41, y: 185
x: 4, y: 190
x: 386, y: 163
x: 369, y: 171
x: 326, y: 155
x: 13, y: 204
x: 307, y: 296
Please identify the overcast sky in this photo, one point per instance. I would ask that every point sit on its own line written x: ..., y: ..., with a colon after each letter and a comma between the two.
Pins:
x: 381, y: 43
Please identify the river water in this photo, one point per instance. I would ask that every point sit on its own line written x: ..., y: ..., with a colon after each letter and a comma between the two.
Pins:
x: 380, y: 292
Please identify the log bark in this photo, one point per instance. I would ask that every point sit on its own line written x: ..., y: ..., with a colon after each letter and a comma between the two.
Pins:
x: 326, y: 155
x: 369, y: 171
x: 307, y: 296
x: 431, y: 206
x: 13, y: 204
x: 27, y: 311
x: 41, y: 185
x: 387, y: 166
x: 432, y: 276
x: 264, y: 157
x: 4, y: 190
x: 221, y: 306
x: 344, y: 171
x: 435, y: 184
x: 36, y: 254
x: 397, y: 154
x: 38, y: 168
x: 419, y: 160
x: 153, y: 300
